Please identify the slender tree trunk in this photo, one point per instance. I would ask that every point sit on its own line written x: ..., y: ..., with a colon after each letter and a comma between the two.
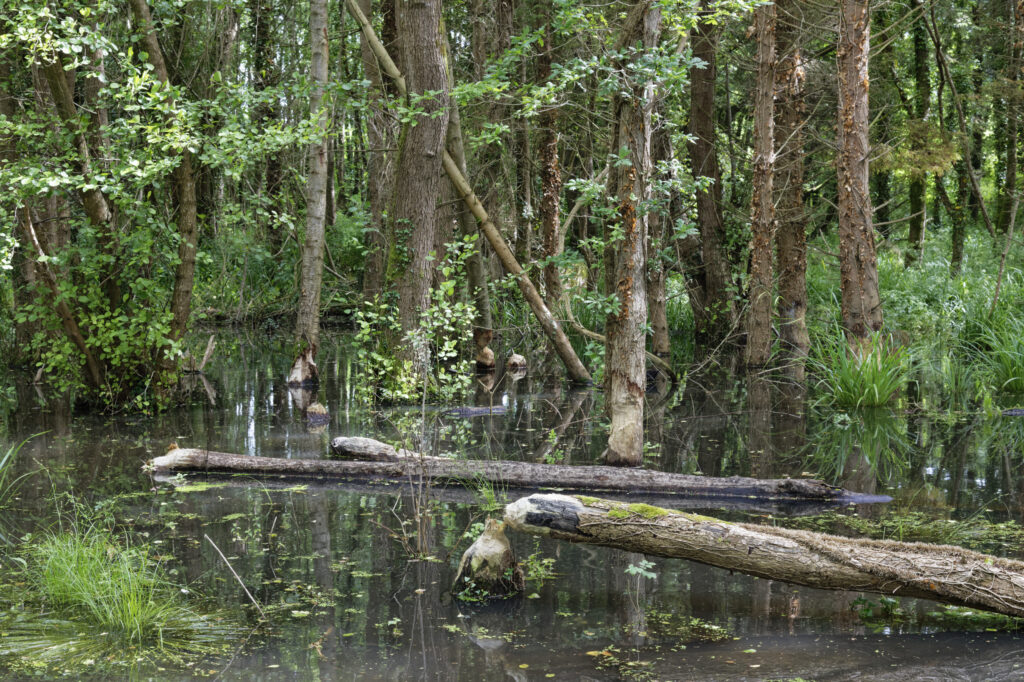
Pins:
x: 791, y: 234
x: 418, y: 176
x: 185, y: 196
x: 381, y: 137
x: 476, y: 275
x: 718, y: 314
x: 1009, y: 189
x: 861, y: 304
x: 659, y: 222
x: 307, y: 321
x: 918, y: 180
x: 625, y: 366
x: 550, y: 176
x: 762, y: 204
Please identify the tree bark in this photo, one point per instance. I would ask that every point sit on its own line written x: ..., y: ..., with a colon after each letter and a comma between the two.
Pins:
x: 552, y: 329
x: 791, y: 232
x: 861, y: 304
x: 922, y: 96
x: 762, y: 202
x: 381, y: 137
x: 949, y: 574
x: 418, y: 176
x: 387, y: 462
x: 307, y: 321
x: 625, y: 333
x: 1008, y: 190
x: 184, y: 194
x: 550, y: 175
x: 718, y: 314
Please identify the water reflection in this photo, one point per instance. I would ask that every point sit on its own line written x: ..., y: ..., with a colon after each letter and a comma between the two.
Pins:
x: 356, y: 578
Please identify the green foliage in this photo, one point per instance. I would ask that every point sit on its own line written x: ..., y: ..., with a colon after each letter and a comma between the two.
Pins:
x: 431, y: 360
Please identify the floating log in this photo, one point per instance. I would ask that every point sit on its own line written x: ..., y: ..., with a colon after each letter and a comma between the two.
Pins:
x: 949, y: 574
x: 403, y: 464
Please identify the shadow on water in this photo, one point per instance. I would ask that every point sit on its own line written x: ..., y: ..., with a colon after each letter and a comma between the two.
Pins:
x: 355, y: 579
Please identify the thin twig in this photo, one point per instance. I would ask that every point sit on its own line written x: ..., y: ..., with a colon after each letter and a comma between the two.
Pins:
x: 255, y: 603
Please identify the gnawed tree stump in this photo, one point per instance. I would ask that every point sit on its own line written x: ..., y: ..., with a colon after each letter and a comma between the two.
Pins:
x: 488, y: 568
x: 404, y: 464
x: 939, y: 572
x: 304, y: 373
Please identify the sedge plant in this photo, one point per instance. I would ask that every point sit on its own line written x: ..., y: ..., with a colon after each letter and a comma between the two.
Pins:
x: 869, y: 375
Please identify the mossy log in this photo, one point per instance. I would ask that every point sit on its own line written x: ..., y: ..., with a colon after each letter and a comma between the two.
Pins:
x: 948, y: 574
x: 387, y: 462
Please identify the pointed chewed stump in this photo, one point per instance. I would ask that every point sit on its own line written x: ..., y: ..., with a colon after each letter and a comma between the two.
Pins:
x: 488, y: 569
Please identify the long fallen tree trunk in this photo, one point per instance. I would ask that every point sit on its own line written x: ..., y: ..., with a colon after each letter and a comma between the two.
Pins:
x: 948, y: 574
x: 381, y: 460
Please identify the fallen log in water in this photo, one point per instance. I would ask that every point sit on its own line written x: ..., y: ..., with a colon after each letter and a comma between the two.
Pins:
x: 387, y: 462
x: 948, y: 574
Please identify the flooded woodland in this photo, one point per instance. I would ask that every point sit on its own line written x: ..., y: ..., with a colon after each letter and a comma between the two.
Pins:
x: 354, y: 578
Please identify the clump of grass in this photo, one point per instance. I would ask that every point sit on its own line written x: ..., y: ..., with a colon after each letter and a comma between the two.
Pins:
x: 87, y: 597
x: 868, y: 376
x: 1004, y: 344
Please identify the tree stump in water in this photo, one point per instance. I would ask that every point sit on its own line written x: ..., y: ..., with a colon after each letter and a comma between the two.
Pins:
x: 304, y: 372
x: 488, y: 569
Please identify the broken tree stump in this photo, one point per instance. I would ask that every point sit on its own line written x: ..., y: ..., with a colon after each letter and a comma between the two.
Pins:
x: 939, y: 572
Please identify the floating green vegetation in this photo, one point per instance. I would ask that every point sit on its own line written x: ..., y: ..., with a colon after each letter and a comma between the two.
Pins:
x: 82, y: 597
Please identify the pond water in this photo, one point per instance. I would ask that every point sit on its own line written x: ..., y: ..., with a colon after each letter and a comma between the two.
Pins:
x: 339, y: 568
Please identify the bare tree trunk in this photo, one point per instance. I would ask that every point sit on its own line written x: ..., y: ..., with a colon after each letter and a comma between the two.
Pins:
x: 861, y: 304
x: 418, y: 176
x: 625, y: 329
x: 381, y: 137
x: 949, y: 574
x: 184, y: 193
x: 550, y: 175
x: 762, y: 203
x: 718, y: 314
x: 660, y: 221
x: 791, y: 234
x: 918, y: 180
x: 1008, y: 191
x: 307, y: 321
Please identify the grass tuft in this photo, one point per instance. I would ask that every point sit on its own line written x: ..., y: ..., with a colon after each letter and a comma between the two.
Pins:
x: 870, y: 376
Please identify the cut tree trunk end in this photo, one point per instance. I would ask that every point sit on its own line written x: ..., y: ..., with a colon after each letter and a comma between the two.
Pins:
x: 488, y: 569
x: 939, y: 572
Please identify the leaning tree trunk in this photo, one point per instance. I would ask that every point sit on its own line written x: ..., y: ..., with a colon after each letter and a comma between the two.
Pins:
x: 307, y: 321
x: 717, y: 312
x: 552, y: 329
x: 791, y: 233
x: 949, y: 574
x: 625, y: 329
x: 184, y: 194
x: 762, y: 203
x: 858, y: 268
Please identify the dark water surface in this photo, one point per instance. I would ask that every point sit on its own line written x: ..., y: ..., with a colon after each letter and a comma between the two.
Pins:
x: 337, y: 568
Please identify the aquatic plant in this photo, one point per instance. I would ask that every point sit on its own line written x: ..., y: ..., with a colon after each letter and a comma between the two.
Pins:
x: 86, y: 597
x: 1004, y: 354
x: 868, y: 376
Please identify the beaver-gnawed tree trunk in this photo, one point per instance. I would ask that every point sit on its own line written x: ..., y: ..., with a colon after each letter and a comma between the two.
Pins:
x: 626, y: 336
x: 949, y: 574
x: 307, y: 321
x: 858, y: 267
